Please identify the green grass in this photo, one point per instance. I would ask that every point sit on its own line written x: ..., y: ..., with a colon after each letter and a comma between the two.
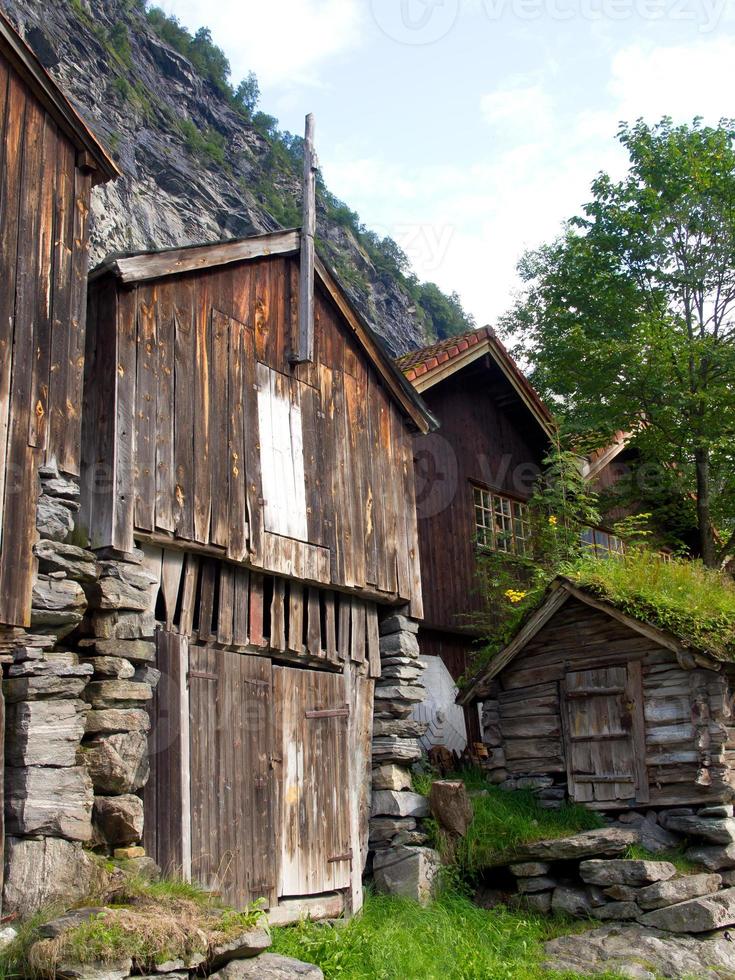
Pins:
x: 676, y: 857
x: 692, y: 602
x: 452, y: 939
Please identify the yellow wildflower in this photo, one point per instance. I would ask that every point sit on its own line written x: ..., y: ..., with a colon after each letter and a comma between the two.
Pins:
x: 515, y: 596
x: 553, y: 520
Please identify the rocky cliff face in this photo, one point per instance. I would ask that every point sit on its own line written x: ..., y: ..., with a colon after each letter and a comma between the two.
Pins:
x: 156, y: 114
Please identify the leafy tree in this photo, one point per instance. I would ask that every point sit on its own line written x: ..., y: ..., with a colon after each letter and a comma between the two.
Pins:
x: 248, y: 93
x: 629, y: 318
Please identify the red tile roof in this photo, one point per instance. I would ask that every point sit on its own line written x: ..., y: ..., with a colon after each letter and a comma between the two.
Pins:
x: 417, y: 363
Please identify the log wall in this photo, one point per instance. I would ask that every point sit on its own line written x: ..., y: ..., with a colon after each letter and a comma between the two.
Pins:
x: 199, y: 432
x: 44, y: 207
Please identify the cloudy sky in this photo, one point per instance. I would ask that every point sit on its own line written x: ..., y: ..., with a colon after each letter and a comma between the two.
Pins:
x: 468, y: 130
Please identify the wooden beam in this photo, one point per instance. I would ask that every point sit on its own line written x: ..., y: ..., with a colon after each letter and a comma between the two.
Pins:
x: 304, y: 348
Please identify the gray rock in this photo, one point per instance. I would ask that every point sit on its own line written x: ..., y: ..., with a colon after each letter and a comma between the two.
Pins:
x: 148, y: 675
x: 115, y: 593
x: 643, y: 954
x: 605, y: 841
x: 391, y: 776
x: 116, y: 970
x: 44, y: 733
x: 713, y: 858
x: 653, y: 836
x: 407, y: 871
x: 54, y: 802
x: 69, y: 920
x: 384, y: 829
x: 677, y: 890
x: 120, y: 818
x: 391, y: 803
x: 625, y: 872
x: 122, y: 625
x: 540, y: 884
x: 55, y: 484
x: 43, y: 686
x: 529, y: 782
x: 54, y: 517
x: 76, y: 563
x: 242, y: 947
x: 114, y: 667
x: 269, y: 966
x: 412, y: 838
x: 54, y: 595
x: 45, y: 872
x: 108, y: 721
x: 115, y: 693
x: 397, y: 624
x: 621, y: 893
x: 451, y: 806
x: 137, y: 651
x: 118, y: 763
x: 403, y: 643
x: 399, y: 692
x: 391, y: 749
x: 192, y: 962
x: 728, y: 878
x: 717, y: 831
x: 696, y: 915
x: 402, y: 672
x: 616, y: 912
x: 530, y: 869
x: 7, y: 935
x: 538, y: 902
x: 720, y: 811
x: 571, y: 900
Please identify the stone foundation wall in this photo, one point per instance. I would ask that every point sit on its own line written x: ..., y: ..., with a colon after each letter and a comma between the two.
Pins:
x: 400, y: 862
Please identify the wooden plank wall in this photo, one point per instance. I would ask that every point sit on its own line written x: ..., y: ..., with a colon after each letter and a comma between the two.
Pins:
x: 195, y: 354
x: 687, y: 713
x: 486, y: 437
x: 44, y: 207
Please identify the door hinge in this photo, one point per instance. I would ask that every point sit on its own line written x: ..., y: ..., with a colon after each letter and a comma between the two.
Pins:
x: 341, y: 712
x: 204, y: 675
x: 340, y: 857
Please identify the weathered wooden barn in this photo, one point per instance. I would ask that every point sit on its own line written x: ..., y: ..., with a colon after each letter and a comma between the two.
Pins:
x: 616, y: 711
x: 272, y: 502
x: 49, y: 162
x: 473, y: 478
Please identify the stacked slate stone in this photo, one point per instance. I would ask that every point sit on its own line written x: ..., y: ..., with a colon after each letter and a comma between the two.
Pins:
x: 48, y: 789
x: 564, y: 876
x: 121, y: 654
x: 401, y: 864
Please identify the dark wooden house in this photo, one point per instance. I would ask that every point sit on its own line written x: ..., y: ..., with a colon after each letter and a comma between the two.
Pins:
x: 49, y: 161
x: 618, y: 712
x: 473, y: 478
x: 273, y: 502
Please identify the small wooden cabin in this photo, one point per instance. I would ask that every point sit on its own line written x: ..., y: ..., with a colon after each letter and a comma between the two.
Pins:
x: 274, y: 503
x: 620, y: 713
x: 49, y: 161
x: 473, y: 478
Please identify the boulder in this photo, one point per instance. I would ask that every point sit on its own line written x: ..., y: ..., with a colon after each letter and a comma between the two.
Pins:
x: 407, y: 871
x: 538, y: 902
x: 44, y: 733
x: 677, y: 890
x: 117, y: 594
x: 242, y: 947
x: 391, y: 749
x: 653, y: 836
x: 720, y: 810
x: 391, y: 776
x: 696, y: 915
x: 398, y: 624
x: 118, y: 763
x: 53, y: 802
x: 33, y: 688
x: 396, y: 691
x: 113, y: 693
x: 108, y: 721
x: 616, y: 912
x: 120, y: 625
x: 714, y: 830
x: 148, y: 675
x: 120, y: 818
x: 69, y: 920
x: 76, y: 563
x: 530, y: 869
x: 57, y: 595
x: 45, y: 872
x: 404, y: 643
x: 713, y: 858
x: 390, y: 803
x: 114, y: 667
x: 137, y: 651
x: 639, y: 952
x: 625, y: 872
x: 269, y: 966
x: 55, y: 517
x: 384, y: 829
x: 541, y: 884
x: 402, y: 727
x: 115, y: 970
x: 451, y: 806
x: 607, y: 841
x: 572, y: 901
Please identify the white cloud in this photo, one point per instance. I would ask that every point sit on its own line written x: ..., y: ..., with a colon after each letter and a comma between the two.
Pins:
x: 515, y: 103
x: 283, y: 42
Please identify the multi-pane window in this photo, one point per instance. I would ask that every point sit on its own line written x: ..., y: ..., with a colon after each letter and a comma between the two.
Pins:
x: 602, y: 543
x: 502, y: 524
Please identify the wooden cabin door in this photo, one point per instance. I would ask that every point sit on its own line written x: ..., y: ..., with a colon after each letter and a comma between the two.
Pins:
x: 312, y: 746
x: 603, y: 734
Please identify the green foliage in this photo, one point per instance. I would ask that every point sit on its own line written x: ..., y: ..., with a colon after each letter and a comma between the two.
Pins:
x: 628, y: 318
x: 119, y: 41
x: 694, y: 603
x: 452, y: 939
x: 122, y: 86
x: 209, y: 145
x: 443, y: 313
x: 677, y: 857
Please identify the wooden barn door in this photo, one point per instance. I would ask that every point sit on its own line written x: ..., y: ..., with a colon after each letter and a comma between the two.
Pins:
x: 604, y: 743
x: 232, y: 827
x: 312, y: 719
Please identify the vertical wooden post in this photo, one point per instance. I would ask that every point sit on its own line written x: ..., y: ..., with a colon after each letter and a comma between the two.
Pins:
x: 305, y: 346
